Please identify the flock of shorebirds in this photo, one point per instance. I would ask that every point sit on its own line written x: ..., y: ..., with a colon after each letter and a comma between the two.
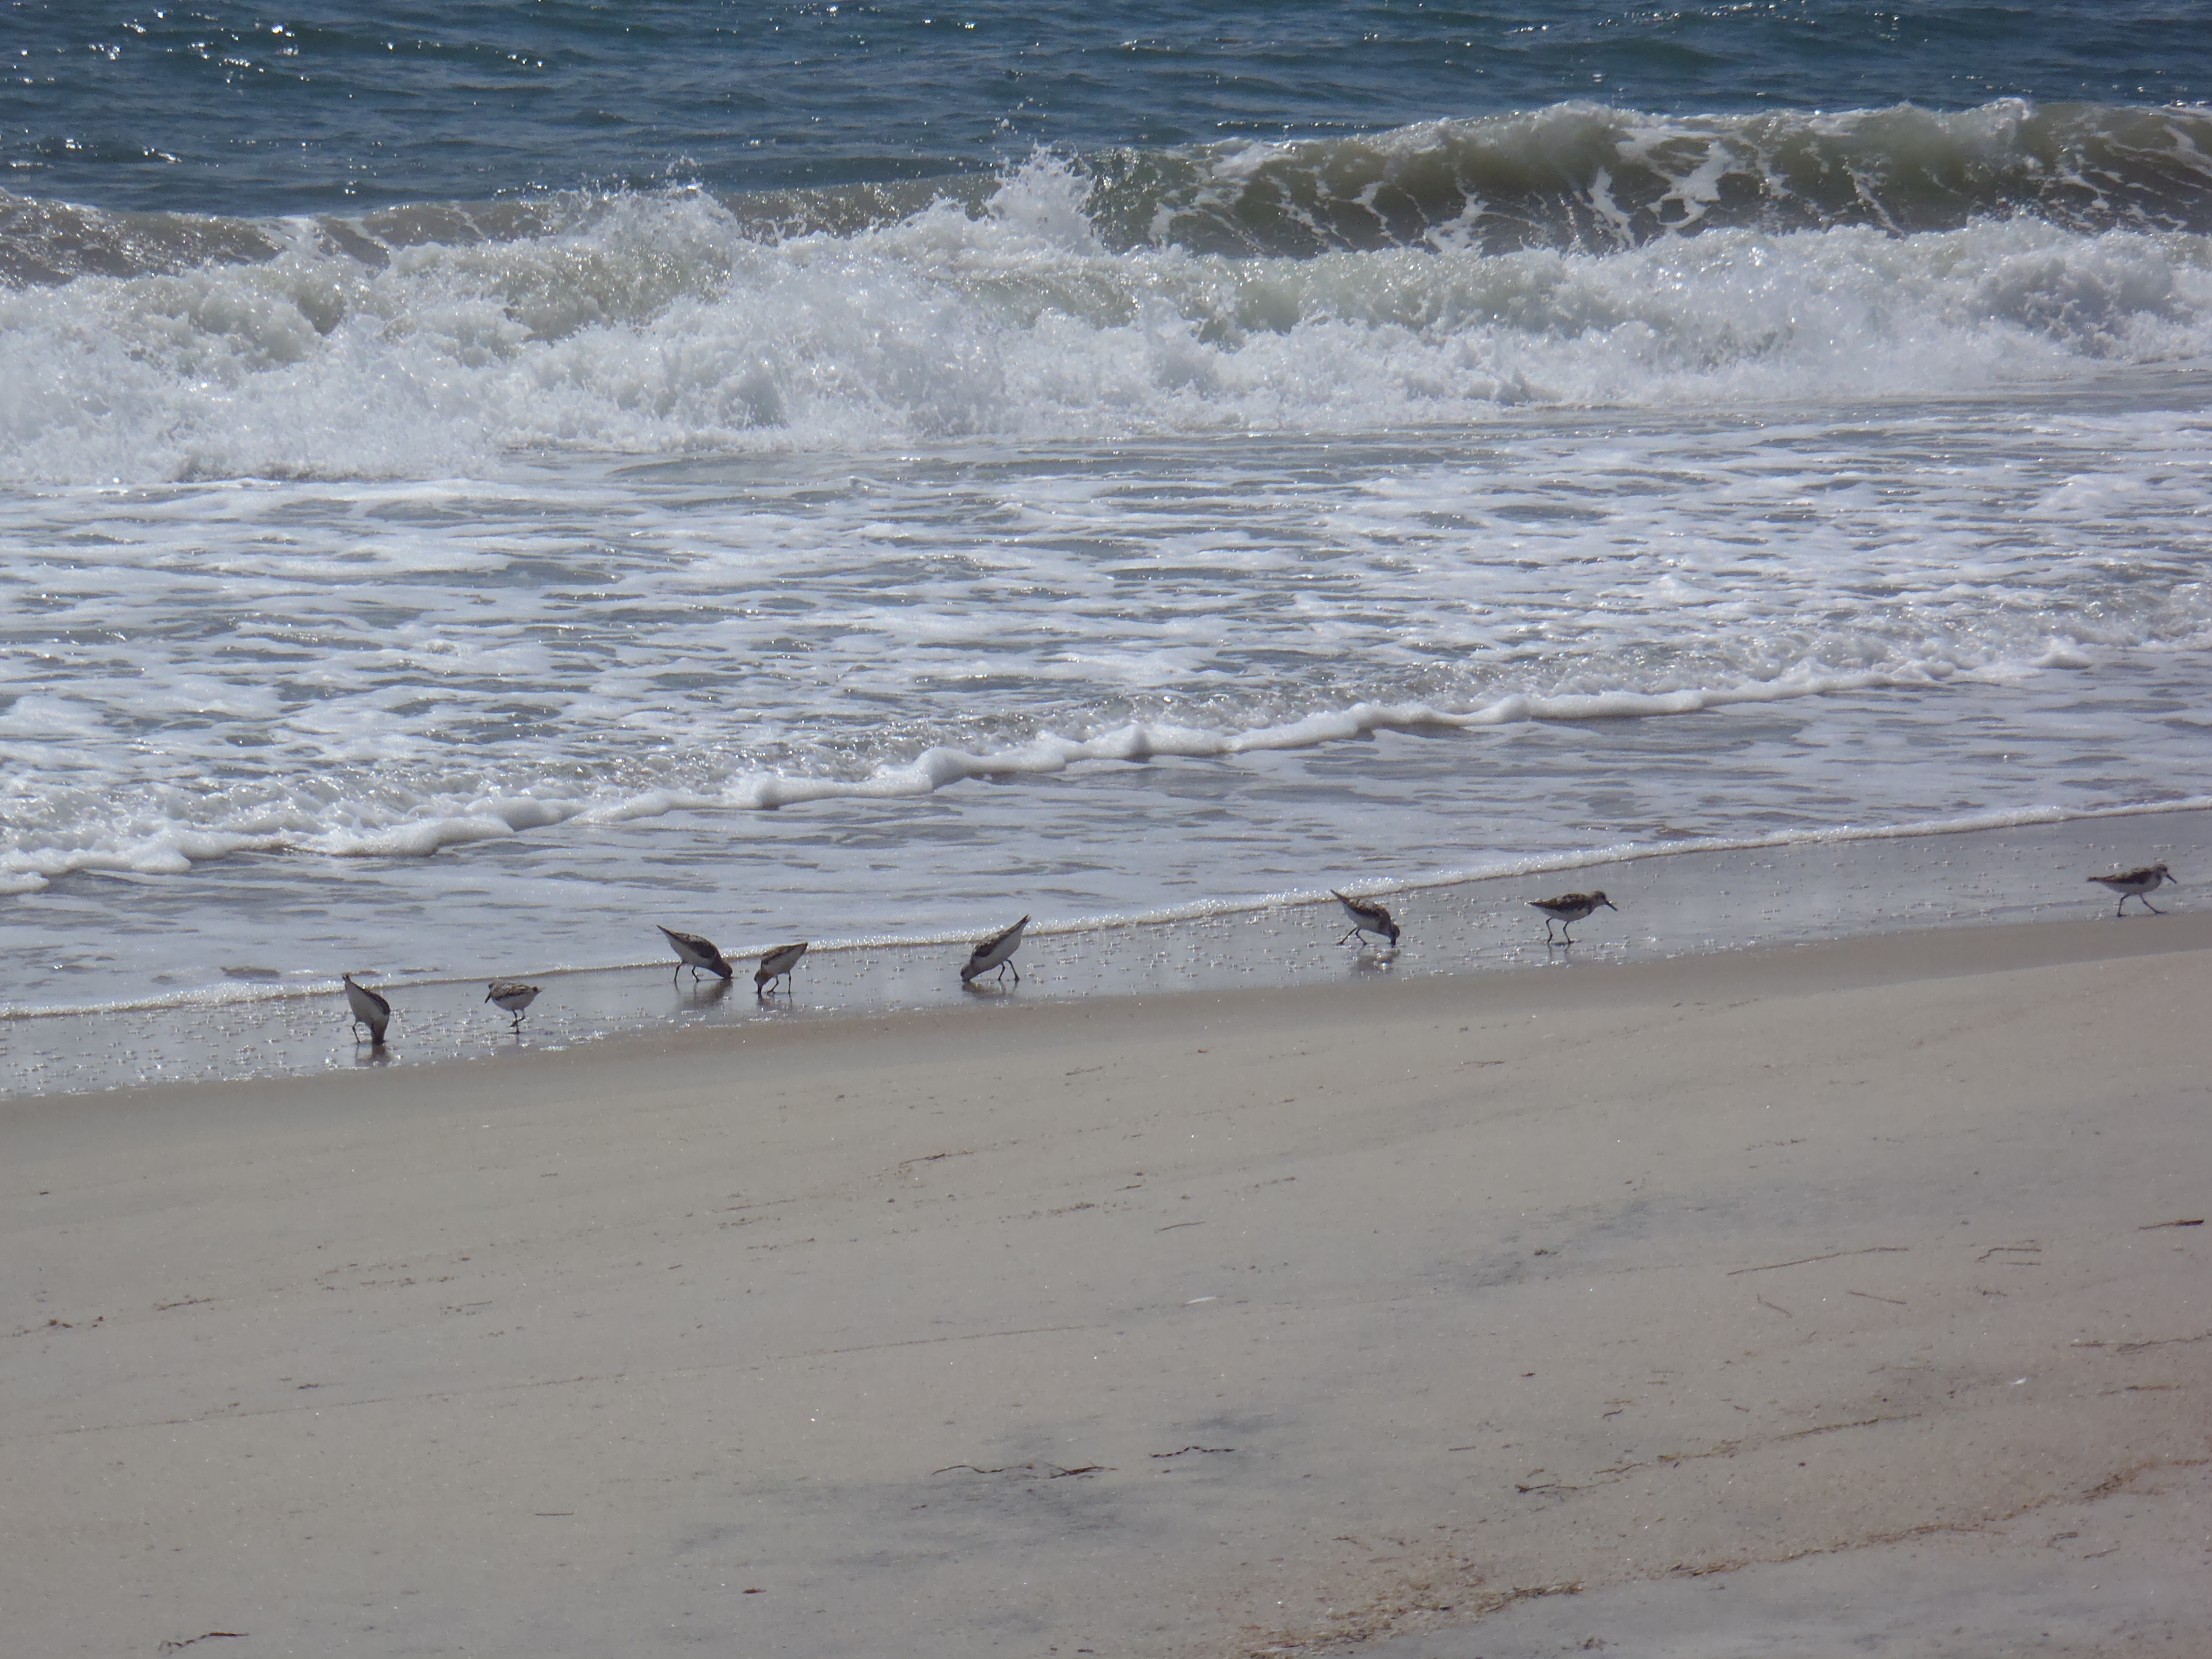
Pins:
x: 994, y: 955
x: 373, y: 1009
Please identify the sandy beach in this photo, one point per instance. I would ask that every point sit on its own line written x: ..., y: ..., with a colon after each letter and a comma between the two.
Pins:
x: 1857, y: 1288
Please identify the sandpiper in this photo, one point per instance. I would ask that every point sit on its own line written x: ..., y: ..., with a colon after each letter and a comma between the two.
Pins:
x: 777, y: 965
x: 1569, y: 908
x: 1367, y: 917
x: 695, y: 953
x: 369, y: 1009
x: 2135, y: 884
x: 513, y: 995
x: 996, y: 951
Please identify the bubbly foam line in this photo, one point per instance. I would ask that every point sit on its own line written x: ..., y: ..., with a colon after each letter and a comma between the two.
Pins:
x: 1198, y: 910
x: 23, y: 871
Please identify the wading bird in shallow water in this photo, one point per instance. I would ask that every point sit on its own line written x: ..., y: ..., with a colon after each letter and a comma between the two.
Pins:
x: 1567, y: 909
x: 513, y: 995
x: 1367, y: 917
x: 2136, y: 884
x: 695, y: 953
x: 777, y: 965
x: 995, y: 952
x: 368, y: 1009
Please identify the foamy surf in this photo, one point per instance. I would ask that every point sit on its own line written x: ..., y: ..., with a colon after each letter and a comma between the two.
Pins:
x: 661, y: 325
x: 321, y: 817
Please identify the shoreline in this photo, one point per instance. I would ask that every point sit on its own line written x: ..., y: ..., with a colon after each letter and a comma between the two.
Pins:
x: 1326, y: 1313
x: 1682, y: 904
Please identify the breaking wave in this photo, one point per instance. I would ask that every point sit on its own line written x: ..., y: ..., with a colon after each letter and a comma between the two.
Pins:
x: 670, y: 324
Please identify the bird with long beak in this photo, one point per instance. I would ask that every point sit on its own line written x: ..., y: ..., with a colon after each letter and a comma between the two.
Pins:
x: 1567, y: 909
x: 369, y: 1009
x: 695, y: 953
x: 513, y: 995
x: 1367, y: 917
x: 777, y: 965
x: 2136, y: 885
x: 995, y: 952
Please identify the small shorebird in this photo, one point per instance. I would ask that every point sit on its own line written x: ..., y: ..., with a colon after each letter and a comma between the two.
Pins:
x: 777, y: 965
x: 2136, y: 884
x: 1569, y: 908
x: 695, y: 953
x: 513, y: 995
x: 996, y: 951
x: 1367, y: 917
x: 369, y: 1009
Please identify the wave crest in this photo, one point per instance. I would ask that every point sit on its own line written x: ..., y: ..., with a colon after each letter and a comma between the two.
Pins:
x: 1592, y: 178
x: 665, y: 323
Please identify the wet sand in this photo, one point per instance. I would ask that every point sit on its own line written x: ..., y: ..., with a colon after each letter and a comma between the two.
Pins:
x: 1419, y: 1312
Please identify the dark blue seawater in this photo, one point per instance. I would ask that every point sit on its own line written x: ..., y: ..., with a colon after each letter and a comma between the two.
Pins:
x: 247, y: 110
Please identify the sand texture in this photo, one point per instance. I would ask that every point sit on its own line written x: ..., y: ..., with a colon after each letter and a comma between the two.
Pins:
x: 1449, y: 1315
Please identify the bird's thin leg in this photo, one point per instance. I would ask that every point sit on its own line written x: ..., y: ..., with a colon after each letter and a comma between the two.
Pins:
x: 1348, y: 936
x: 2152, y: 909
x: 2122, y: 905
x: 677, y: 975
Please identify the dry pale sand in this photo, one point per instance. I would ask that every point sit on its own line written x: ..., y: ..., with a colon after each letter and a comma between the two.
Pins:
x: 1194, y: 1326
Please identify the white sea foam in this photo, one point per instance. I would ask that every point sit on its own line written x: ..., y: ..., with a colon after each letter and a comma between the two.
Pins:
x: 301, y: 816
x: 383, y: 669
x: 660, y: 326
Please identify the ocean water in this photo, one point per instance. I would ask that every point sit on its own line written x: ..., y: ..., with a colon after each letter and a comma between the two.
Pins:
x: 477, y: 485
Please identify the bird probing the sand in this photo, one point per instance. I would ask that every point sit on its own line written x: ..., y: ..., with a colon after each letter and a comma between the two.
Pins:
x: 368, y: 1009
x: 777, y: 965
x: 1367, y: 917
x: 695, y: 953
x: 1567, y: 909
x: 2136, y: 885
x: 995, y: 952
x: 513, y: 995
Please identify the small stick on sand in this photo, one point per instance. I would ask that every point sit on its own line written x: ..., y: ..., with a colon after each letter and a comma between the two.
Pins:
x: 1871, y: 1249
